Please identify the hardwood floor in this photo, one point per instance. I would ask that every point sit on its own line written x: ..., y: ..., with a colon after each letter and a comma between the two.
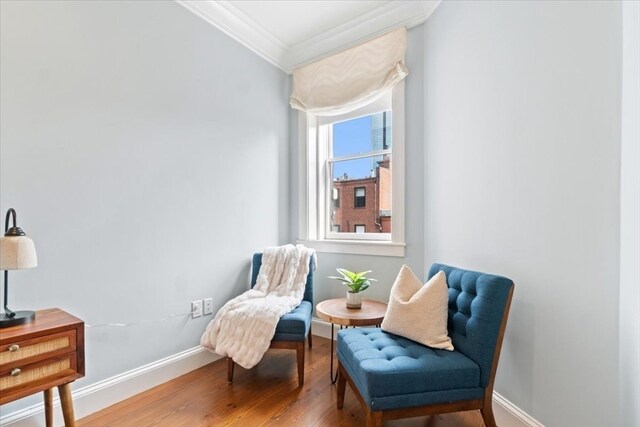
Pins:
x: 266, y: 395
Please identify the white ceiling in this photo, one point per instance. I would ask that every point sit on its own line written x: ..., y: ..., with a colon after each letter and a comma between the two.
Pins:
x: 295, y: 32
x: 294, y: 22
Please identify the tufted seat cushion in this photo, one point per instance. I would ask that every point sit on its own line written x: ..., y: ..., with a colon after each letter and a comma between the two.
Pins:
x: 392, y: 372
x: 294, y: 325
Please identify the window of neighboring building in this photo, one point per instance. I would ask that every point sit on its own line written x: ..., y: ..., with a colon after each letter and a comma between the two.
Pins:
x: 359, y: 197
x: 360, y: 155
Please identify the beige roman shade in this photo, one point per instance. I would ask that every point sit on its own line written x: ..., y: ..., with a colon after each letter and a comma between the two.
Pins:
x: 352, y: 78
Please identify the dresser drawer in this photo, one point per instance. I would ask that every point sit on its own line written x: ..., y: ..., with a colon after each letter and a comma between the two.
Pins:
x: 39, y: 372
x: 22, y: 352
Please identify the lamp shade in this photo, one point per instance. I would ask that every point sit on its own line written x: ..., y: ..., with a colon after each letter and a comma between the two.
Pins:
x: 17, y: 253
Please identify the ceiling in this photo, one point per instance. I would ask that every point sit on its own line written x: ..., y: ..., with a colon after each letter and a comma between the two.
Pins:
x: 291, y: 33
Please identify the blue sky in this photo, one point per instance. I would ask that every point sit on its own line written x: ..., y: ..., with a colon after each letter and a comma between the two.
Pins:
x: 352, y: 137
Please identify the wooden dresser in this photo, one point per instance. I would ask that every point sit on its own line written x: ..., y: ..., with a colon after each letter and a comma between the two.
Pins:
x: 38, y: 356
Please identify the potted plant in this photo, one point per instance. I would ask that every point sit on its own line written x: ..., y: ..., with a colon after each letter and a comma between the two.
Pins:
x: 356, y: 282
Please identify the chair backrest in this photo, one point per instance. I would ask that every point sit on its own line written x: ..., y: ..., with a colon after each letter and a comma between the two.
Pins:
x: 478, y: 309
x: 308, y: 289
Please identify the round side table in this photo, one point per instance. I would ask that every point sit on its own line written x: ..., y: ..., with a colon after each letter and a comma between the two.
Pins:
x: 335, y: 311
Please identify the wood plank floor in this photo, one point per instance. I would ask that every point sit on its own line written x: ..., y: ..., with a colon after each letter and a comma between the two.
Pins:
x: 267, y: 395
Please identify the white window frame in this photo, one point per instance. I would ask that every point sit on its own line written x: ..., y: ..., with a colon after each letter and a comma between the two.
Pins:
x: 312, y: 228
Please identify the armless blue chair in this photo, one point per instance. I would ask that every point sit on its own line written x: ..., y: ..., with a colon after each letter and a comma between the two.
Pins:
x: 394, y: 377
x: 294, y: 328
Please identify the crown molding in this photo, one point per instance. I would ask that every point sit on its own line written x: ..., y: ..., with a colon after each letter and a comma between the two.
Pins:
x: 378, y: 21
x: 232, y: 21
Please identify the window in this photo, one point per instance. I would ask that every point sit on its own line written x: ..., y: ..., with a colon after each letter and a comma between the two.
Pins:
x: 359, y: 197
x: 358, y: 155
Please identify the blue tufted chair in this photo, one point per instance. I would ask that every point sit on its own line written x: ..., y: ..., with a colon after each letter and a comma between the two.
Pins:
x: 394, y: 377
x: 293, y: 328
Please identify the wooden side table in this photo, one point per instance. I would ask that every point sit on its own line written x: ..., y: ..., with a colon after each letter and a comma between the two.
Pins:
x: 336, y: 312
x: 41, y: 355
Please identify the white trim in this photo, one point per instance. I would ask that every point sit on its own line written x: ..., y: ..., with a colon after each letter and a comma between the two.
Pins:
x: 356, y: 247
x: 398, y: 202
x: 391, y: 15
x: 507, y: 414
x: 232, y: 21
x: 303, y: 176
x: 321, y: 328
x: 99, y: 395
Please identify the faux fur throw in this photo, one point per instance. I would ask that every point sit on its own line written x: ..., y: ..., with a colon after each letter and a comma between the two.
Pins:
x: 245, y: 325
x: 417, y: 311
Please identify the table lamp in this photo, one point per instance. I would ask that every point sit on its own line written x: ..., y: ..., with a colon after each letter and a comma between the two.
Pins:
x: 17, y: 252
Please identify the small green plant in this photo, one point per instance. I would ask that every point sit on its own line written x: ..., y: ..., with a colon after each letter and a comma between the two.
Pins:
x: 356, y: 282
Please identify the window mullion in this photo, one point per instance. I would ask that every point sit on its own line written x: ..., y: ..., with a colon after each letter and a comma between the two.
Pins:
x: 360, y: 156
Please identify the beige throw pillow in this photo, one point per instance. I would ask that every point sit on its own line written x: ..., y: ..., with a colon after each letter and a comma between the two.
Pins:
x: 417, y: 311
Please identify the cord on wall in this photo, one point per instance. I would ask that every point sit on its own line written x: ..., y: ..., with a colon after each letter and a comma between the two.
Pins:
x: 139, y: 322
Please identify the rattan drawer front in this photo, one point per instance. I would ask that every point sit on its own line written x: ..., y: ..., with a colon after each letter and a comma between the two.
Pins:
x: 57, y: 343
x: 56, y: 367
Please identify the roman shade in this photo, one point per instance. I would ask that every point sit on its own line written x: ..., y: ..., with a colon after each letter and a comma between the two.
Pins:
x: 353, y: 78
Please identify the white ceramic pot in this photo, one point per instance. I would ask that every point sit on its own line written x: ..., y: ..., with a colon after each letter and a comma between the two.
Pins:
x: 354, y: 300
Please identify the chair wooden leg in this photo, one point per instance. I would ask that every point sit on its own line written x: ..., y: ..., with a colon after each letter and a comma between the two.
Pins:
x: 374, y: 418
x: 487, y: 415
x: 48, y: 407
x: 64, y: 391
x: 230, y: 365
x: 310, y: 337
x: 300, y: 354
x: 341, y: 387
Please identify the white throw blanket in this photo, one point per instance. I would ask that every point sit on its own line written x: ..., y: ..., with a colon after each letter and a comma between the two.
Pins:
x: 244, y: 326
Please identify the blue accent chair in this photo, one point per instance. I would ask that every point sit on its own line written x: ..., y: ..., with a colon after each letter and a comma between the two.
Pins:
x: 394, y: 377
x: 293, y: 328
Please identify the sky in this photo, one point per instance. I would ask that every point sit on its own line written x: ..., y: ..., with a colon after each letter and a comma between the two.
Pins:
x: 352, y: 137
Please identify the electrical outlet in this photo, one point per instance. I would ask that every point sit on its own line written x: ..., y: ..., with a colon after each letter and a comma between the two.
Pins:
x: 208, y: 306
x: 196, y: 309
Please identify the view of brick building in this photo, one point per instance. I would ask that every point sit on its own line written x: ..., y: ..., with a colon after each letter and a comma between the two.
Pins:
x: 363, y: 205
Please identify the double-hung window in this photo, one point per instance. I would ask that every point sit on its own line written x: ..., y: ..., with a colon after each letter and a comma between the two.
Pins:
x: 352, y: 186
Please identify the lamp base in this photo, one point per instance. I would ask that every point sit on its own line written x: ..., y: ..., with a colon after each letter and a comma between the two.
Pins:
x: 21, y: 317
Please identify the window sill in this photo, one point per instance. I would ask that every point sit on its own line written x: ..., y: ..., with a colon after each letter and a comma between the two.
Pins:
x: 361, y: 247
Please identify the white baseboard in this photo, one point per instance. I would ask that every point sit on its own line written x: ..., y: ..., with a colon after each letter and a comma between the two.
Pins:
x: 97, y: 396
x: 507, y: 414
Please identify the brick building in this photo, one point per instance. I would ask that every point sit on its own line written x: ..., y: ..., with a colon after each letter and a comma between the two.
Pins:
x: 363, y: 205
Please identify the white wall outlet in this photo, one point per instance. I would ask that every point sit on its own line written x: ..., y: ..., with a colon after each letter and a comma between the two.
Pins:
x: 196, y: 309
x: 208, y: 306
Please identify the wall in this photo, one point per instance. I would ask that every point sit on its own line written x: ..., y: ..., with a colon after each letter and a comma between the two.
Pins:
x: 522, y: 162
x: 146, y: 154
x: 630, y: 218
x: 384, y: 269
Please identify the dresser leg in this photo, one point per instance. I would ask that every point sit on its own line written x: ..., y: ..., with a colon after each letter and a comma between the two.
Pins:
x: 67, y: 405
x: 48, y: 407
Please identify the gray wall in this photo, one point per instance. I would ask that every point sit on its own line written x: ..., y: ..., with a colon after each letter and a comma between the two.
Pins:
x: 522, y: 157
x: 147, y: 156
x: 630, y: 218
x: 147, y: 167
